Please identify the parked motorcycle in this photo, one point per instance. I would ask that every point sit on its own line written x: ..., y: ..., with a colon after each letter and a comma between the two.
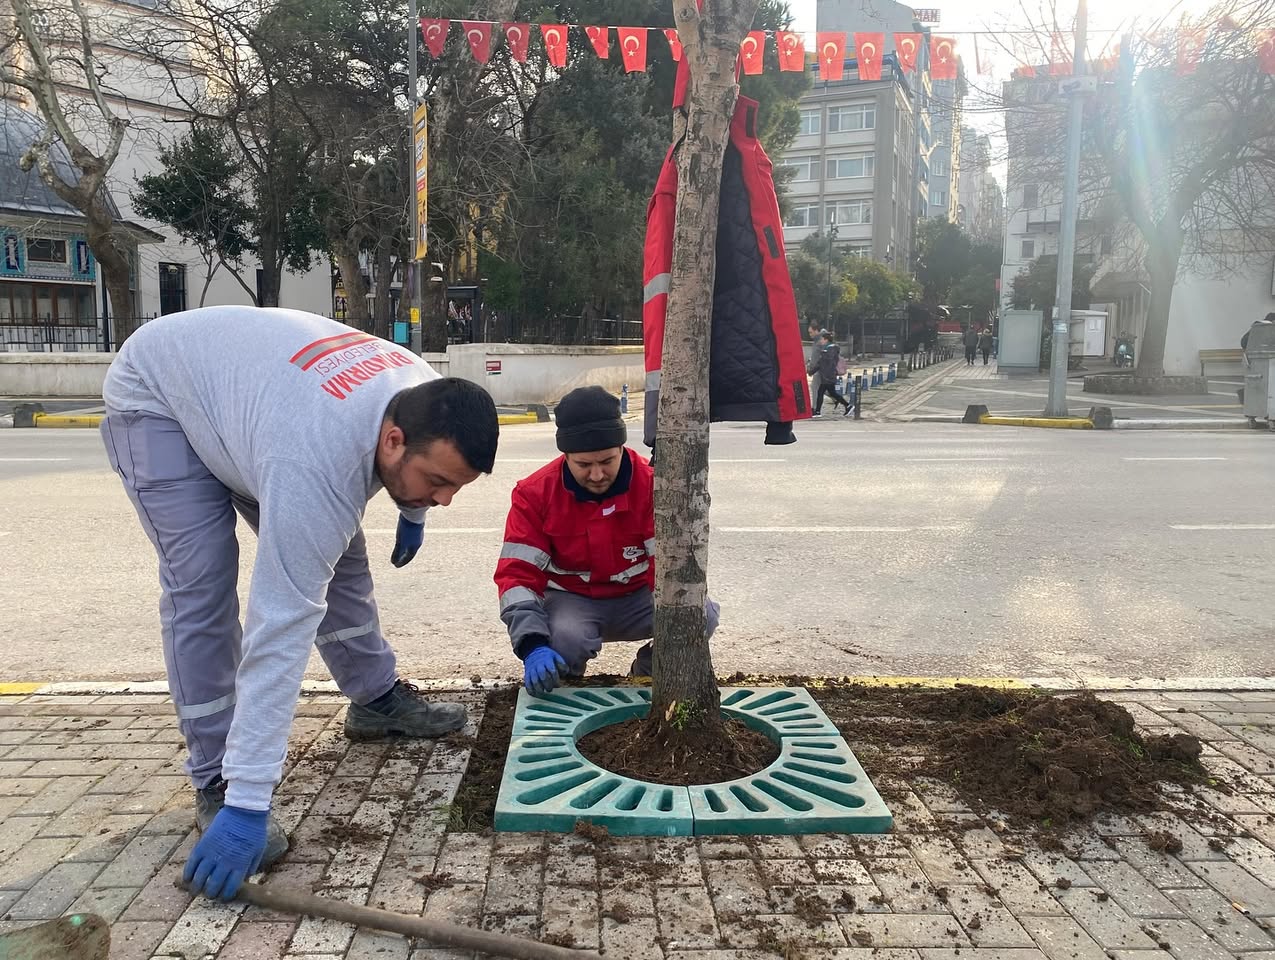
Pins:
x: 1124, y: 351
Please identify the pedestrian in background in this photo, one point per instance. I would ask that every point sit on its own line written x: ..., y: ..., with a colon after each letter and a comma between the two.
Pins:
x: 829, y: 366
x: 971, y: 345
x: 985, y: 343
x: 812, y: 363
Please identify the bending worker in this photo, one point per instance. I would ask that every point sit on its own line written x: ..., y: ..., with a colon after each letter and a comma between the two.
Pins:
x: 296, y: 422
x: 577, y: 568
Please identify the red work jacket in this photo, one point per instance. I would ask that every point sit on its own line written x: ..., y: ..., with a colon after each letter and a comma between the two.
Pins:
x: 555, y: 541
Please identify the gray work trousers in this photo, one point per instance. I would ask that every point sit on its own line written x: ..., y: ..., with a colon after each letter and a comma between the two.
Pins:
x: 189, y: 516
x: 579, y: 625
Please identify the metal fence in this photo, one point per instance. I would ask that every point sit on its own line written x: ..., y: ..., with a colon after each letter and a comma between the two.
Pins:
x: 46, y: 336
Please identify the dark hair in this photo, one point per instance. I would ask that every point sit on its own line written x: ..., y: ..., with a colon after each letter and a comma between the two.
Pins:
x: 448, y: 409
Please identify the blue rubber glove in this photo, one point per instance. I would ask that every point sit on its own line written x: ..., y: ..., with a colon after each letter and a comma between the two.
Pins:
x: 540, y: 671
x: 228, y: 853
x: 407, y: 542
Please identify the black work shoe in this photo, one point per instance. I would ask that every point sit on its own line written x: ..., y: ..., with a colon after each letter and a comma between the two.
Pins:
x: 404, y: 712
x: 210, y: 799
x: 642, y: 662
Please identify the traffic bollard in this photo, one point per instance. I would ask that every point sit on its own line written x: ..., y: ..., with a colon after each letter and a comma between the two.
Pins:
x: 858, y: 399
x: 624, y: 399
x: 894, y: 373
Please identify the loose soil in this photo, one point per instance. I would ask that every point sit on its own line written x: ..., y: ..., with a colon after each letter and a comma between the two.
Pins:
x: 1046, y: 761
x: 632, y: 749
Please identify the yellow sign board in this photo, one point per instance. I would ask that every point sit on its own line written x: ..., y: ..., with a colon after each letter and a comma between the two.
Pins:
x: 420, y: 148
x: 415, y: 314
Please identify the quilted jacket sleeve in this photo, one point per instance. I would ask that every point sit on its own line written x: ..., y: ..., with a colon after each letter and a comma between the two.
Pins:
x: 520, y: 573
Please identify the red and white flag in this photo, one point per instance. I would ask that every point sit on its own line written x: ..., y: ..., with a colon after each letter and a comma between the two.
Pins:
x: 942, y: 58
x: 478, y: 33
x: 753, y: 50
x: 633, y: 48
x: 435, y: 34
x: 518, y: 36
x: 832, y: 55
x: 792, y: 50
x: 1266, y: 52
x: 555, y: 35
x: 868, y: 51
x: 1190, y: 46
x: 674, y: 43
x: 600, y: 37
x: 907, y: 46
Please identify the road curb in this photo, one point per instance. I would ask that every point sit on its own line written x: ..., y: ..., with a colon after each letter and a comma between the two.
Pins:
x: 1184, y: 424
x: 458, y: 684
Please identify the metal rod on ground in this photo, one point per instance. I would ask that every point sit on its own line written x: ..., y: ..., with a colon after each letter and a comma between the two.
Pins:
x: 1057, y: 404
x: 275, y: 897
x: 412, y: 289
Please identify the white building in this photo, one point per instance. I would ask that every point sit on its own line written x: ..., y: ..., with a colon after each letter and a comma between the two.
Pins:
x: 168, y: 275
x: 945, y: 147
x: 980, y: 204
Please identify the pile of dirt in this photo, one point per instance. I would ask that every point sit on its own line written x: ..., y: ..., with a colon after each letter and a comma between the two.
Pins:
x: 1052, y: 759
x: 681, y: 758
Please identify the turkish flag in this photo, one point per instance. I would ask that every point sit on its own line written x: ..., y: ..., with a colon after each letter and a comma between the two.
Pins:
x: 478, y: 33
x: 907, y: 46
x: 674, y: 43
x: 832, y: 55
x: 435, y: 34
x: 868, y: 50
x: 792, y: 50
x: 753, y: 50
x: 555, y: 35
x: 633, y: 48
x: 1190, y: 45
x: 600, y: 37
x: 517, y: 35
x: 1266, y: 52
x: 942, y: 58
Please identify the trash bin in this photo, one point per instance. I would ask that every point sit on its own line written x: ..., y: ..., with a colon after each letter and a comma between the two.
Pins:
x: 1259, y: 377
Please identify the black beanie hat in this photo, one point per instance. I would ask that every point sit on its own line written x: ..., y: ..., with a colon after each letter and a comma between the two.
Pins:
x: 589, y: 419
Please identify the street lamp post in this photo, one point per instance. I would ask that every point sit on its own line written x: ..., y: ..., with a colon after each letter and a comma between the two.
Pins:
x: 832, y: 235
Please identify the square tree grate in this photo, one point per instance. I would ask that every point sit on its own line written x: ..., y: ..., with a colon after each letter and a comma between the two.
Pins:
x: 815, y: 785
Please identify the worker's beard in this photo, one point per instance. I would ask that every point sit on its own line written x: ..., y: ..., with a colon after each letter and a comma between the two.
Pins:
x: 392, y: 480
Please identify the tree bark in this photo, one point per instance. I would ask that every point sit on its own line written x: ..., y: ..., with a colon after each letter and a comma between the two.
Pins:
x: 1163, y: 255
x: 356, y: 308
x: 271, y: 272
x: 383, y: 264
x: 684, y: 691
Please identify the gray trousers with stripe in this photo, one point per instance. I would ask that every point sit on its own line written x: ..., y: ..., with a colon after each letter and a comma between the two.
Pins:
x: 579, y: 625
x: 189, y: 516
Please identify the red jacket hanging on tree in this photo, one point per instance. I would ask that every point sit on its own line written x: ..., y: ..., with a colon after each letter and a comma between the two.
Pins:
x: 757, y: 367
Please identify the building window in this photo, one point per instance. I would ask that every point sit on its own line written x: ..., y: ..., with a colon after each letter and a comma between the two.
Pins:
x: 1104, y: 247
x: 938, y: 198
x: 804, y: 168
x: 1031, y: 195
x: 850, y: 212
x: 938, y: 166
x: 803, y: 215
x: 45, y: 250
x: 811, y: 122
x: 860, y: 251
x: 848, y: 168
x: 172, y: 288
x: 861, y: 116
x: 1029, y: 249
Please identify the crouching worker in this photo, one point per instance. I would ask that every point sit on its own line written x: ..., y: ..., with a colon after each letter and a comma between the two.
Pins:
x: 577, y: 568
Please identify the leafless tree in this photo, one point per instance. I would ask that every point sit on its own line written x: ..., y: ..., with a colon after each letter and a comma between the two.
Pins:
x: 40, y: 49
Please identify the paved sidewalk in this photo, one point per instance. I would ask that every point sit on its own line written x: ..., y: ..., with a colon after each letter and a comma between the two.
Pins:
x: 96, y: 817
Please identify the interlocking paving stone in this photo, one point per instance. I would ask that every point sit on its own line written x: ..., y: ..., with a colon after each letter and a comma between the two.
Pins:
x: 1255, y: 857
x: 136, y: 941
x: 1062, y: 938
x: 572, y: 913
x: 202, y: 930
x: 1018, y: 888
x: 1131, y: 890
x: 906, y: 930
x: 1188, y: 941
x: 736, y: 885
x: 833, y: 898
x: 370, y: 945
x: 257, y: 941
x: 54, y: 892
x: 633, y: 940
x: 1162, y: 870
x: 686, y: 916
x: 1237, y: 884
x: 905, y: 887
x: 1214, y: 914
x: 986, y: 921
x: 107, y: 904
x: 1105, y: 920
x: 314, y: 935
x: 24, y: 868
x: 138, y: 861
x: 977, y: 953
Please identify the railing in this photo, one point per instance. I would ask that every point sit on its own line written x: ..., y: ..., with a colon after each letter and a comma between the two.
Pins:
x: 47, y: 336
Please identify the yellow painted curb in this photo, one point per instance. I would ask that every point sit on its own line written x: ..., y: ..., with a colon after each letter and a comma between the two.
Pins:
x: 1058, y: 423
x: 62, y: 421
x: 10, y: 689
x: 509, y: 418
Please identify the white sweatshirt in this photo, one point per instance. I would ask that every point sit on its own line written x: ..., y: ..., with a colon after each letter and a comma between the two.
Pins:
x: 285, y: 408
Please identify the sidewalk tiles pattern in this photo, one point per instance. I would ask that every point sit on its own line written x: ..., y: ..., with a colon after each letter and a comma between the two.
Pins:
x: 95, y: 816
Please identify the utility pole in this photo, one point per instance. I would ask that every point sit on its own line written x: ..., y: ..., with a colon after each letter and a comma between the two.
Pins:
x: 412, y: 281
x: 832, y: 235
x: 1075, y: 89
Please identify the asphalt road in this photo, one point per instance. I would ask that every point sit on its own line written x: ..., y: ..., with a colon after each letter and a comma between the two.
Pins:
x: 865, y: 548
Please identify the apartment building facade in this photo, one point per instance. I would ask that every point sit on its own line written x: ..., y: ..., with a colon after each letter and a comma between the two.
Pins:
x: 943, y: 154
x: 980, y: 202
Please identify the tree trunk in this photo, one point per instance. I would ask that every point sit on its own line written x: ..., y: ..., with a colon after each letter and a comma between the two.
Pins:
x: 356, y: 311
x: 383, y: 265
x: 1162, y: 262
x: 684, y: 691
x: 99, y: 230
x: 271, y: 271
